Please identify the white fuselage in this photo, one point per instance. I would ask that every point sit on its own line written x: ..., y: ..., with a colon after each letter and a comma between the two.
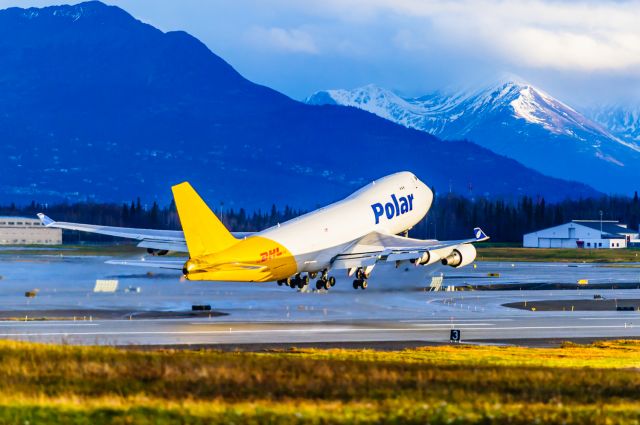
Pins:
x: 390, y: 205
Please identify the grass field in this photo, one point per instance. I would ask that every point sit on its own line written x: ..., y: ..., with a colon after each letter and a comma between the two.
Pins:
x: 559, y: 255
x: 453, y: 384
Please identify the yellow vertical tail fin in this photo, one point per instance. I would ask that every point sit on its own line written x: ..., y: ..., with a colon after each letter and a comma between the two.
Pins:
x: 203, y: 231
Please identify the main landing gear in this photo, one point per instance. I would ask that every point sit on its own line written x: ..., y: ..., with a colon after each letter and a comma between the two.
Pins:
x: 300, y: 281
x: 361, y: 280
x: 297, y: 281
x: 360, y: 283
x: 325, y: 282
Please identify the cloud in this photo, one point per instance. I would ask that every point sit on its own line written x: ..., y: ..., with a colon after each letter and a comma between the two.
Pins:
x: 571, y: 35
x: 572, y: 48
x: 566, y: 50
x: 282, y: 39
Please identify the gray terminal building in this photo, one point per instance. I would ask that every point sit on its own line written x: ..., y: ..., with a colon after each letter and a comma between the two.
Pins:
x: 27, y: 231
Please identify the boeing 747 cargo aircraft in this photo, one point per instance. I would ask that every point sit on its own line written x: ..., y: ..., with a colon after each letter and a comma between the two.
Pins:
x: 353, y: 234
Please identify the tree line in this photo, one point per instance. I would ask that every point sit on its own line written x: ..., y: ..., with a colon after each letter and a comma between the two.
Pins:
x: 451, y: 216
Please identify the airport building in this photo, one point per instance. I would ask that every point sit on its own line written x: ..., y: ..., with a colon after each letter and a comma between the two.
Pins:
x: 590, y: 234
x: 27, y: 231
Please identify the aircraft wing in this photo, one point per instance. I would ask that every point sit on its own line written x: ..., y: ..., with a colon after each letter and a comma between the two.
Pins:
x: 169, y: 240
x: 375, y: 247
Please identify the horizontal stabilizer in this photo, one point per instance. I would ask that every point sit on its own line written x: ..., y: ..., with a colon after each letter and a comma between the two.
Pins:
x: 151, y: 264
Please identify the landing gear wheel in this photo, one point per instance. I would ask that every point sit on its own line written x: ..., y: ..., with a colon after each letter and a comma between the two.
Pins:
x: 319, y: 284
x: 326, y: 284
x: 356, y: 284
x: 280, y: 282
x: 293, y: 283
x: 301, y: 283
x: 364, y: 284
x: 332, y: 281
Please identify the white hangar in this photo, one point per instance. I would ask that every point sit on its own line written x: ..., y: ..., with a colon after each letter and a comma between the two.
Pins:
x: 27, y: 231
x: 583, y: 234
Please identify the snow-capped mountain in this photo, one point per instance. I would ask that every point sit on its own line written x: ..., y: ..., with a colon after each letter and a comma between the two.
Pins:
x: 623, y: 121
x: 515, y: 119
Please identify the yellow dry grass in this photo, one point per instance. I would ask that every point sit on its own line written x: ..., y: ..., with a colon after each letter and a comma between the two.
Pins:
x: 598, y: 383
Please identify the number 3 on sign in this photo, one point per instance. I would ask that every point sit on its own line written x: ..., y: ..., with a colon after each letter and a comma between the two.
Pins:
x: 454, y: 336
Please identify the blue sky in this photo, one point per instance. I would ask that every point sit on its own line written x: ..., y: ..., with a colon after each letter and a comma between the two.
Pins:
x: 580, y: 51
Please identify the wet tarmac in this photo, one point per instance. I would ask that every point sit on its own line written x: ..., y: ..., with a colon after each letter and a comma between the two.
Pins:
x: 396, y: 308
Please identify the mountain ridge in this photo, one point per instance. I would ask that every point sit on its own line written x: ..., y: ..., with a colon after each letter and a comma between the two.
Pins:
x: 512, y: 118
x: 621, y: 120
x: 96, y: 105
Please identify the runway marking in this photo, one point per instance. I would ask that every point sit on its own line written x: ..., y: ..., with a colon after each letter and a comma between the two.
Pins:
x: 35, y: 323
x: 451, y: 320
x: 626, y: 325
x: 448, y: 323
x: 454, y: 323
x: 303, y: 331
x: 607, y: 318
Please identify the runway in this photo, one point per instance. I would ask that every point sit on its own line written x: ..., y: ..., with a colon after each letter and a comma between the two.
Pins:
x: 395, y: 310
x: 480, y: 329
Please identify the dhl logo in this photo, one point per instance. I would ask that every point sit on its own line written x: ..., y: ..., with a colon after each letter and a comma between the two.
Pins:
x: 270, y: 255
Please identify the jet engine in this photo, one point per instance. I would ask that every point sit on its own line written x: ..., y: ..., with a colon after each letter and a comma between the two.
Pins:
x: 427, y: 258
x: 461, y: 256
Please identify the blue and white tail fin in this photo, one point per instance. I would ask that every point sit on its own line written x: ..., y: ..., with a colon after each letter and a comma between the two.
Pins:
x: 480, y: 235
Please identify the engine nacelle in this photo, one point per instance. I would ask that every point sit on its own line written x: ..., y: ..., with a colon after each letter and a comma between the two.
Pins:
x: 427, y: 258
x: 461, y: 256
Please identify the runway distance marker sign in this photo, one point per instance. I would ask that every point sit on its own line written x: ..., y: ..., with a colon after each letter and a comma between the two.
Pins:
x: 454, y: 335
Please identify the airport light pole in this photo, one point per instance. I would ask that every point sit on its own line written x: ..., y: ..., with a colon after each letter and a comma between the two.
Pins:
x: 600, y: 224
